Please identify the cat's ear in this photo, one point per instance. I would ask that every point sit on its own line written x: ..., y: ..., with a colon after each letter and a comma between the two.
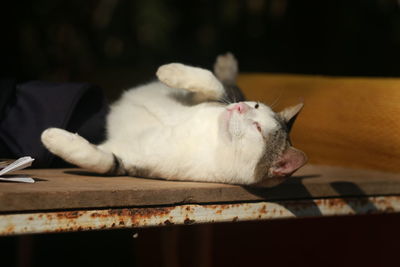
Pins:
x: 290, y: 161
x: 289, y: 114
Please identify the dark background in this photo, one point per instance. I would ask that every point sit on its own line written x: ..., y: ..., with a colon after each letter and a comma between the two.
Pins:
x: 367, y: 241
x: 118, y: 43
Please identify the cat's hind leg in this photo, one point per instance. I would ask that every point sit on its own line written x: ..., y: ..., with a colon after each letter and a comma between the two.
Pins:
x: 202, y: 82
x: 226, y: 68
x: 78, y: 151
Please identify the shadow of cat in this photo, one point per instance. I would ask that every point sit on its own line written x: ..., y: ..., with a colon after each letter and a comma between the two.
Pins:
x: 99, y: 175
x: 88, y: 173
x: 293, y: 189
x: 290, y: 189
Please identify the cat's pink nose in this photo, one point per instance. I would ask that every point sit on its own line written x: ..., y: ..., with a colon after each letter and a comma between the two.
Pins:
x: 240, y: 107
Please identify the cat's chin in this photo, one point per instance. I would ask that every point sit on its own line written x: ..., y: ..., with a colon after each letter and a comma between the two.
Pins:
x: 224, y: 121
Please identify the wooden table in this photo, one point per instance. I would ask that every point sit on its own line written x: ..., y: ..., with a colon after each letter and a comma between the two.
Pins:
x: 74, y: 200
x: 349, y: 122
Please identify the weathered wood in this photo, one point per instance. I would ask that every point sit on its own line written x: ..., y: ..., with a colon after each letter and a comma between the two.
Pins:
x: 352, y: 122
x: 60, y: 189
x: 349, y: 122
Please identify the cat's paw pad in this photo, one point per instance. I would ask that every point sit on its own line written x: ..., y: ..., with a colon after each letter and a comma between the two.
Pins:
x: 172, y: 74
x: 226, y: 68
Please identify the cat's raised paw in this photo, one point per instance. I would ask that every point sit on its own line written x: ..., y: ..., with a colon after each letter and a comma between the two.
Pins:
x: 173, y: 75
x: 198, y: 80
x: 194, y: 79
x: 226, y: 68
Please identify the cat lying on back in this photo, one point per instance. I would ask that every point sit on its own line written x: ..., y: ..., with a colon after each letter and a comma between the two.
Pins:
x: 177, y: 129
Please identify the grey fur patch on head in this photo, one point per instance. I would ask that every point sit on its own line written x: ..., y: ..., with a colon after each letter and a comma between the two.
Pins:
x: 275, y: 144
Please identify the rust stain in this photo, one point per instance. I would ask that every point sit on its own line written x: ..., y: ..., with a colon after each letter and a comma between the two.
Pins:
x: 168, y: 222
x: 10, y: 229
x: 263, y: 209
x: 224, y: 206
x: 215, y: 206
x: 142, y: 213
x: 96, y: 215
x: 188, y: 221
x: 67, y: 215
x: 331, y: 203
x: 190, y: 214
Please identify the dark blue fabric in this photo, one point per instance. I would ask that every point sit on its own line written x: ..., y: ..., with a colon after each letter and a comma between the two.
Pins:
x: 7, y: 88
x: 35, y: 106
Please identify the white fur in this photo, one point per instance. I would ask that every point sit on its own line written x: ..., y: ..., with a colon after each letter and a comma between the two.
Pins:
x: 226, y: 68
x: 77, y: 150
x: 149, y: 128
x: 200, y: 81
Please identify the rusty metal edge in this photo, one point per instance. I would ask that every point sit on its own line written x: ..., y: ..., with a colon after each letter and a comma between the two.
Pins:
x: 83, y: 220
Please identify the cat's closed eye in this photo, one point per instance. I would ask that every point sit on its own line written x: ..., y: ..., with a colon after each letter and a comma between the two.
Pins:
x: 258, y: 126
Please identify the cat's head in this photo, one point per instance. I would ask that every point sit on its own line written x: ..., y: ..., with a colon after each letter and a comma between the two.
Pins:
x: 260, y: 137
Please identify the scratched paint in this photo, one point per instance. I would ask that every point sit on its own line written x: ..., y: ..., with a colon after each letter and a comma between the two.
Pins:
x: 136, y: 217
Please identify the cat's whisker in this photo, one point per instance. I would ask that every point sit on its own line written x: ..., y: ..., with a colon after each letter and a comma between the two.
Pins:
x: 228, y: 101
x: 277, y: 99
x: 234, y: 99
x: 225, y: 100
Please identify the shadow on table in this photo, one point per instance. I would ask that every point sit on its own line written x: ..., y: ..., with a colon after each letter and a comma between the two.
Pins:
x: 295, y: 196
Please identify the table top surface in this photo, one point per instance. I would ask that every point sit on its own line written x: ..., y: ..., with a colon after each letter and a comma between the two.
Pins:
x: 60, y: 189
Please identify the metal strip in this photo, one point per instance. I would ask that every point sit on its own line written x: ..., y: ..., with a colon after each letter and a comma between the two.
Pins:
x: 65, y: 221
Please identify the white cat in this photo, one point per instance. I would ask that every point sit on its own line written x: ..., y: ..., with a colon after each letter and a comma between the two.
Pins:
x: 175, y: 129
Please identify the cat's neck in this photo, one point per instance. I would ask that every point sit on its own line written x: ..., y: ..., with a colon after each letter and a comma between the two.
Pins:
x: 201, y: 125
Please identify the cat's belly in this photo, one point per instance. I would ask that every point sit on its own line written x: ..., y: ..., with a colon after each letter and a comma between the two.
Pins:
x: 130, y: 122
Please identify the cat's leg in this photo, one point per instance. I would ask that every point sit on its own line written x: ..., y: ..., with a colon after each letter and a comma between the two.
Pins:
x: 200, y: 81
x: 78, y: 151
x: 226, y: 69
